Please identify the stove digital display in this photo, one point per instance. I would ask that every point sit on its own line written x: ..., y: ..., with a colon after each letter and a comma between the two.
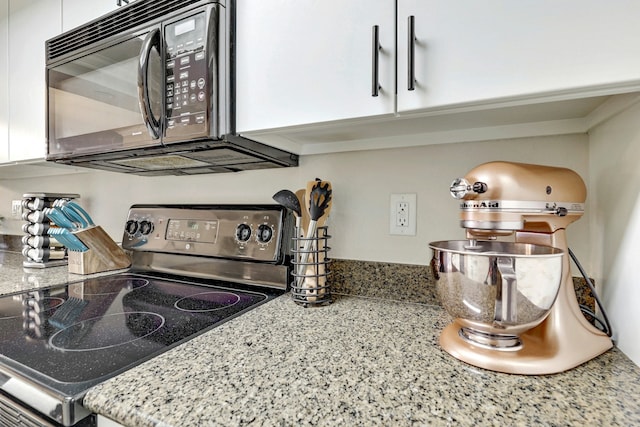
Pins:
x: 192, y: 230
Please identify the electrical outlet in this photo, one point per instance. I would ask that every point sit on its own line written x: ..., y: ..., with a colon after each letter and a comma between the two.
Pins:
x: 402, y: 219
x: 16, y: 209
x: 402, y: 214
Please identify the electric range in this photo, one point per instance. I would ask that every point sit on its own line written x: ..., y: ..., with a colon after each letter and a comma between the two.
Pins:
x: 193, y: 268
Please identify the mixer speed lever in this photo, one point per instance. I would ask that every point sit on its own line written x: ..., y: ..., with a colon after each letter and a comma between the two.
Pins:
x: 480, y: 187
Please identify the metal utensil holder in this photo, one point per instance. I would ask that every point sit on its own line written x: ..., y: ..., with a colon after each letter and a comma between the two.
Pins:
x: 311, y: 287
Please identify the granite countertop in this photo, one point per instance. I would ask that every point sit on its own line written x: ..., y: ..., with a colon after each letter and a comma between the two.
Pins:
x: 15, y: 278
x: 359, y: 361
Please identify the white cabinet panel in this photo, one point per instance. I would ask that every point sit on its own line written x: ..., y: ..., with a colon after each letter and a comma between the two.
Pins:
x: 4, y: 81
x: 469, y: 50
x: 310, y: 61
x: 78, y: 12
x: 31, y: 22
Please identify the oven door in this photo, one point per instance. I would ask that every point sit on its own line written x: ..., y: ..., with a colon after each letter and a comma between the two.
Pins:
x: 108, y: 99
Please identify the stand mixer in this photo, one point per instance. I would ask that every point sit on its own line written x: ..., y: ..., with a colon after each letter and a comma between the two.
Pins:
x: 490, y: 286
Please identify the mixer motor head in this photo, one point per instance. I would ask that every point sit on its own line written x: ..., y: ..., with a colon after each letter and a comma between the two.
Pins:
x: 498, y: 198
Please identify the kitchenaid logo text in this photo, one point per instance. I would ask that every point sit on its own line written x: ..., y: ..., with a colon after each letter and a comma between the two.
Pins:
x: 480, y: 204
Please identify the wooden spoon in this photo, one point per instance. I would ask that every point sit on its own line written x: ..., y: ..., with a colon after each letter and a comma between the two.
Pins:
x: 301, y: 194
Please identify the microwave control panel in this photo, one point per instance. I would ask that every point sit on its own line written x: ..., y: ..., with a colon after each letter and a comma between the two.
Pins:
x: 187, y: 85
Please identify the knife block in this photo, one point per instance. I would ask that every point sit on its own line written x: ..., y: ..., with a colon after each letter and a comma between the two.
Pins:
x: 103, y: 255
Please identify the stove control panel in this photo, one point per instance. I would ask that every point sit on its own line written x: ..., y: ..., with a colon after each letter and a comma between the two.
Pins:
x: 254, y: 233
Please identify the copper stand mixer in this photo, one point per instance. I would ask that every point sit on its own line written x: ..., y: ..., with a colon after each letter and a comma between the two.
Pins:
x: 536, y: 204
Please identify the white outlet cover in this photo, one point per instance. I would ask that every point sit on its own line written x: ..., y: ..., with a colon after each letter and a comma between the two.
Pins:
x: 410, y: 228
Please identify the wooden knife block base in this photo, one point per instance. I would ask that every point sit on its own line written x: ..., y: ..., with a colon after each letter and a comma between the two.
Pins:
x: 103, y: 255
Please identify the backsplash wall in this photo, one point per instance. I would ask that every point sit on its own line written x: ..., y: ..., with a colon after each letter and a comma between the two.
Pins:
x: 362, y: 182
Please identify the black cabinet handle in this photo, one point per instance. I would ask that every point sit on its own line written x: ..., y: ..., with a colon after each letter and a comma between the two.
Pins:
x: 375, y: 56
x: 411, y: 56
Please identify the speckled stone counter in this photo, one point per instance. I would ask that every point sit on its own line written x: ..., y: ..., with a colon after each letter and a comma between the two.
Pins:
x: 358, y: 361
x: 405, y: 282
x: 15, y: 278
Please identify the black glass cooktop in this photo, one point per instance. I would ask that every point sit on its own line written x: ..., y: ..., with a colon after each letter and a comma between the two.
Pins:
x: 76, y: 335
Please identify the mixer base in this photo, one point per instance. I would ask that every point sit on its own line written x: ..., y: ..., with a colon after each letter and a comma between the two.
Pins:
x: 537, y: 356
x: 490, y: 341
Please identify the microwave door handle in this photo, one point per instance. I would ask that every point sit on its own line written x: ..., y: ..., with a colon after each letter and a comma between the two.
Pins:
x: 153, y: 124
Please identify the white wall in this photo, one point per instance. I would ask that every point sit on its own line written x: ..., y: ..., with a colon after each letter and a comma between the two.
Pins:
x: 362, y: 183
x: 615, y: 223
x: 4, y: 81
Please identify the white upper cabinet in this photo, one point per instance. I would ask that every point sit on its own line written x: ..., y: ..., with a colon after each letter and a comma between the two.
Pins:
x: 310, y: 62
x: 301, y: 62
x: 24, y: 28
x: 468, y: 51
x: 25, y: 25
x: 78, y: 12
x: 31, y: 22
x: 4, y: 81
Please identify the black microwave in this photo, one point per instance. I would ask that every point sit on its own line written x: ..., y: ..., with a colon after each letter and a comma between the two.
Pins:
x: 149, y: 89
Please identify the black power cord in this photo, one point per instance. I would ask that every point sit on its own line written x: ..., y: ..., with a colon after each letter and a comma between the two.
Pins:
x: 604, y: 326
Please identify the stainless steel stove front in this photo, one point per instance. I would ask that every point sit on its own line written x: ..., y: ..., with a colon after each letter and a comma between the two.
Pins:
x: 194, y: 267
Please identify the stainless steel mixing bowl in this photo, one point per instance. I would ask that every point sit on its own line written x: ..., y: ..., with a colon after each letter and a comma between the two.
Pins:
x: 496, y: 290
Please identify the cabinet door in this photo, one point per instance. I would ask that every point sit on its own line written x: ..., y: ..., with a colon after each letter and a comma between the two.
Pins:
x: 310, y: 61
x: 31, y: 22
x: 469, y: 50
x: 4, y: 81
x: 78, y: 12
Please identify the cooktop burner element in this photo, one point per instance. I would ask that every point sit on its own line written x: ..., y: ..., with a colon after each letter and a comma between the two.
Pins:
x: 190, y: 272
x: 106, y: 332
x: 207, y: 301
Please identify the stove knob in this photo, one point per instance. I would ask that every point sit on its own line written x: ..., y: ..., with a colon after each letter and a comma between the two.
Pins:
x: 265, y: 233
x: 243, y: 233
x: 131, y: 227
x: 146, y: 227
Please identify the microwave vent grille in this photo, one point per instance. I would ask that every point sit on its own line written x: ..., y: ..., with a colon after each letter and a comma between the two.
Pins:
x: 126, y: 18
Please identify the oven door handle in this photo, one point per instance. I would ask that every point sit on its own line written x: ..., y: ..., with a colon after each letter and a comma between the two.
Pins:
x: 152, y: 40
